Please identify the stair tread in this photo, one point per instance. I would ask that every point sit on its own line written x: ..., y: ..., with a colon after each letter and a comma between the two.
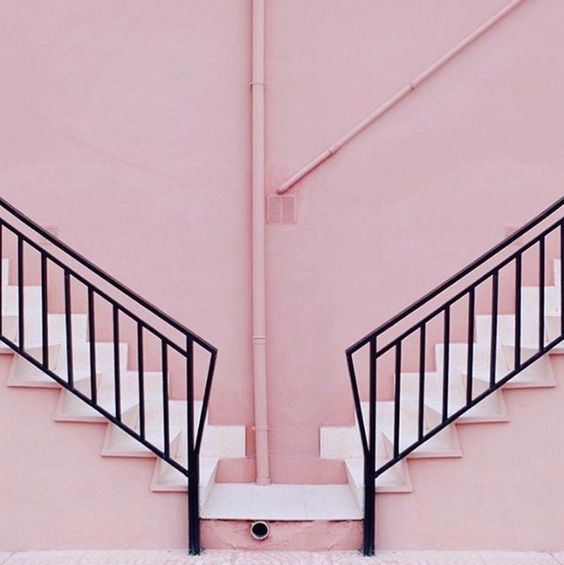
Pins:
x: 283, y: 502
x: 395, y: 479
x: 491, y: 409
x: 43, y: 380
x: 168, y: 479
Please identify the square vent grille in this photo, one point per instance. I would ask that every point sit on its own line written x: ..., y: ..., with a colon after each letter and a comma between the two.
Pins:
x: 281, y: 210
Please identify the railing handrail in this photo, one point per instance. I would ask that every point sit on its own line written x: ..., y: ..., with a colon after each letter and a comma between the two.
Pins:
x: 458, y: 276
x: 26, y: 235
x: 534, y: 233
x: 104, y: 275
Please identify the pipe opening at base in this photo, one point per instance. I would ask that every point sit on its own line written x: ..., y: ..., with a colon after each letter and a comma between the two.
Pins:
x: 260, y: 530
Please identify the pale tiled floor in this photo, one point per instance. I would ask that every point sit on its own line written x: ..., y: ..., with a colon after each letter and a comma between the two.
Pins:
x: 278, y: 558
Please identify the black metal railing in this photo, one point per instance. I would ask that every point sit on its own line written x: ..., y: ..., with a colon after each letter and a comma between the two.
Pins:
x: 115, y: 315
x: 399, y: 349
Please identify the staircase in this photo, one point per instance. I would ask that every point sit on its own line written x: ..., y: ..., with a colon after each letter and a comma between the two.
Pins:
x: 218, y: 441
x: 118, y: 360
x: 442, y: 385
x: 57, y: 311
x: 340, y: 442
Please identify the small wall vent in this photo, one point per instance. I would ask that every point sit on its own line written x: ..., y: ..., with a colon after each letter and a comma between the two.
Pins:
x: 281, y: 210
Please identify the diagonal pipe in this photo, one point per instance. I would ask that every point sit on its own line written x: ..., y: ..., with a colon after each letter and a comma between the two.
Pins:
x: 396, y: 98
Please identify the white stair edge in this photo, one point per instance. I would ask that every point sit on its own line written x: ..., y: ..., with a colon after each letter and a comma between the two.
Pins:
x: 281, y: 502
x: 208, y: 470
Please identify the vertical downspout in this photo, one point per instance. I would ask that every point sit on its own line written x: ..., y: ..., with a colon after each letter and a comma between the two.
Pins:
x: 258, y: 257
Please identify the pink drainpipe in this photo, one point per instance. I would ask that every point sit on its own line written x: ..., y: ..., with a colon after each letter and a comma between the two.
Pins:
x: 259, y: 258
x: 381, y: 110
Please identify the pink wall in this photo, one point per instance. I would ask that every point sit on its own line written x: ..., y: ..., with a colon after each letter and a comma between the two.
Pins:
x: 413, y: 198
x: 506, y: 491
x: 56, y: 491
x: 128, y: 127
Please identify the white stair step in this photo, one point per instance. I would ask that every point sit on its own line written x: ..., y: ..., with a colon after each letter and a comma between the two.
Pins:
x: 9, y: 329
x: 553, y: 326
x: 339, y: 442
x: 104, y: 356
x: 168, y: 479
x: 5, y: 271
x: 71, y: 407
x: 57, y: 328
x: 396, y: 479
x: 506, y: 328
x: 177, y: 409
x: 33, y: 331
x: 458, y: 358
x: 23, y: 371
x: 444, y: 444
x: 32, y: 300
x: 344, y: 442
x: 25, y: 374
x: 491, y: 409
x: 281, y: 502
x: 538, y: 374
x: 530, y: 300
x: 218, y: 441
x: 118, y: 443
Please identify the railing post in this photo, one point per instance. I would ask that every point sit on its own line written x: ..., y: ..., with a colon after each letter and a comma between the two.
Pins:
x: 21, y: 294
x: 518, y: 306
x: 193, y: 457
x: 542, y: 284
x: 119, y: 310
x: 44, y: 312
x: 370, y: 461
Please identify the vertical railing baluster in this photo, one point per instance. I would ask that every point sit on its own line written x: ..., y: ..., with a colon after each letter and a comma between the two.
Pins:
x: 397, y: 400
x: 21, y: 319
x: 141, y: 378
x: 166, y: 416
x: 372, y: 399
x: 92, y: 345
x: 493, y: 341
x: 44, y: 312
x: 471, y: 331
x: 68, y: 328
x: 541, y: 291
x: 446, y: 361
x: 370, y: 457
x: 117, y: 361
x: 422, y: 353
x: 193, y: 459
x: 518, y: 310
